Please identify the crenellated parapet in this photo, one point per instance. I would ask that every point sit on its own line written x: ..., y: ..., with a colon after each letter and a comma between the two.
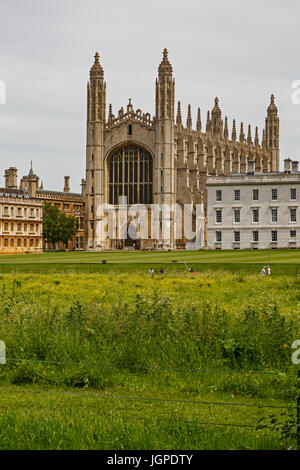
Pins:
x: 130, y: 115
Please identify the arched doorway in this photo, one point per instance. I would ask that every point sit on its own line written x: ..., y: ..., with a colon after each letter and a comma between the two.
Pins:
x: 130, y: 174
x: 132, y: 239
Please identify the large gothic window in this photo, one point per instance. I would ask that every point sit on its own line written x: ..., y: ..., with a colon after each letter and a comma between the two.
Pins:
x: 130, y: 174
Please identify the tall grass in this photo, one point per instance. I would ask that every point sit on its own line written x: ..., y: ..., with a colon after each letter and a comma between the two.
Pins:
x: 132, y: 320
x: 216, y: 321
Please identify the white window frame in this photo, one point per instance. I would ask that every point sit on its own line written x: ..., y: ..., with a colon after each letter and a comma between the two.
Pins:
x: 293, y: 209
x: 274, y: 189
x: 218, y: 232
x: 274, y: 231
x: 255, y: 221
x: 274, y: 209
x: 255, y: 189
x: 293, y: 198
x: 236, y: 209
x: 234, y: 193
x: 218, y: 190
x: 234, y: 233
x: 219, y: 210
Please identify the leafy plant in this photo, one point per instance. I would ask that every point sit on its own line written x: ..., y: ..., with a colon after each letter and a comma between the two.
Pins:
x: 285, y: 423
x: 57, y: 226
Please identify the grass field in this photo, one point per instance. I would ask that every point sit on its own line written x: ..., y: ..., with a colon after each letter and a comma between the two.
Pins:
x: 250, y: 262
x: 112, y: 360
x: 198, y: 257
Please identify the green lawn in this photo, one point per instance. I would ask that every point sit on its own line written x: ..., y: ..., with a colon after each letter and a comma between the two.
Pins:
x: 244, y: 256
x: 248, y: 262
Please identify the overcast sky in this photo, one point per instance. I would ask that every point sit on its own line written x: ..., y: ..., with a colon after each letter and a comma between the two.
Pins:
x: 241, y: 51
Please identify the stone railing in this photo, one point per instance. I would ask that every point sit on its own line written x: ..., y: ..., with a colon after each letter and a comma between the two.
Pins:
x: 130, y: 115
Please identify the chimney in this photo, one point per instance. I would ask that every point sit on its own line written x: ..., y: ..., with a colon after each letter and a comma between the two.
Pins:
x: 251, y: 167
x: 287, y: 165
x: 295, y: 166
x: 83, y: 187
x: 67, y: 184
x: 11, y: 178
x: 33, y: 185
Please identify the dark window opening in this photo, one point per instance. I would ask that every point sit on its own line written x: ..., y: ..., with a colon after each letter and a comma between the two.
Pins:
x: 130, y: 174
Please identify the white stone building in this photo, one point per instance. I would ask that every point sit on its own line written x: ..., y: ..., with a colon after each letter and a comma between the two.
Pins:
x: 254, y: 210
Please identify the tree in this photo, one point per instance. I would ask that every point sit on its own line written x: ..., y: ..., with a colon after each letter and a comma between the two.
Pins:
x: 57, y: 226
x: 67, y: 228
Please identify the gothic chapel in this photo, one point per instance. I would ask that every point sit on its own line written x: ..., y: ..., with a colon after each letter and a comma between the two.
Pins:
x: 158, y: 160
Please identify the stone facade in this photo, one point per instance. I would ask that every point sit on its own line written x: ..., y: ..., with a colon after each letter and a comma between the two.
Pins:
x: 20, y: 219
x: 72, y: 204
x: 254, y: 211
x: 156, y: 160
x: 178, y: 157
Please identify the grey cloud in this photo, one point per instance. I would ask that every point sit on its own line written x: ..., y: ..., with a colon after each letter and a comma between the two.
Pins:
x: 239, y: 51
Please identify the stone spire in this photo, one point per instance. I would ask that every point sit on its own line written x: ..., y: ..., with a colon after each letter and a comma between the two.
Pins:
x: 42, y: 185
x: 256, y: 139
x: 165, y: 67
x: 272, y: 134
x: 165, y: 90
x: 31, y: 170
x: 226, y: 129
x: 263, y: 141
x: 189, y: 118
x: 233, y: 134
x: 216, y: 110
x: 249, y: 137
x: 216, y: 118
x: 199, y: 125
x: 110, y: 114
x: 242, y: 135
x: 96, y: 70
x: 96, y: 101
x: 208, y: 123
x: 272, y: 108
x: 178, y: 118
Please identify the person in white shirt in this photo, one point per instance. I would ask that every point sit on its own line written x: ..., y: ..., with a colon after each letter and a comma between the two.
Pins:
x: 263, y: 271
x: 269, y: 270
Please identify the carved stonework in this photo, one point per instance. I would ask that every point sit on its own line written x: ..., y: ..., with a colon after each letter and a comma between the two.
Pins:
x: 182, y: 156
